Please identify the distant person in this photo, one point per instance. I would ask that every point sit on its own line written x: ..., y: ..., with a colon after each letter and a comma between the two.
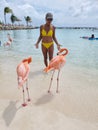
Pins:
x: 92, y: 36
x: 87, y: 37
x: 47, y: 35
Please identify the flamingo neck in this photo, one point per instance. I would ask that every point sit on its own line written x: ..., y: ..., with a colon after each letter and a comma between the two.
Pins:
x: 62, y: 50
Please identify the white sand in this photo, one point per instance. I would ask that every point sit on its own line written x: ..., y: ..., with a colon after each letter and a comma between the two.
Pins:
x: 75, y: 107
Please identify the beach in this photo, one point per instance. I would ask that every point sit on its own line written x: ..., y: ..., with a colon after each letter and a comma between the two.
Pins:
x: 75, y: 107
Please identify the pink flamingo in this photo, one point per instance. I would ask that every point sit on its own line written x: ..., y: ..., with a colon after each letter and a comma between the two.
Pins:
x: 23, y: 70
x: 9, y: 38
x: 55, y: 64
x: 9, y: 42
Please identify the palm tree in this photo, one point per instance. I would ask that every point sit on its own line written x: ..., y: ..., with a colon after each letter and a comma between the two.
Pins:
x: 13, y: 18
x: 7, y: 10
x: 28, y: 19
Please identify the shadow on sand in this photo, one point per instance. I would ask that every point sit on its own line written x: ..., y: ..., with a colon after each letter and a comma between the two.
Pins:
x: 10, y: 112
x: 44, y: 99
x: 36, y: 73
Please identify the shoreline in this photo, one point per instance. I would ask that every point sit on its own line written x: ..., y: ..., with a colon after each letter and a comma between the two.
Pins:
x: 23, y: 27
x: 16, y: 27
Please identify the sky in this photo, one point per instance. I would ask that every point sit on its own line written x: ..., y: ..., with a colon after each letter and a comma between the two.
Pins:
x: 66, y: 13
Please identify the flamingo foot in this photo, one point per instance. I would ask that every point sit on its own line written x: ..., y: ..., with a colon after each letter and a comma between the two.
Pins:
x: 24, y: 104
x: 57, y: 91
x: 29, y: 99
x: 48, y: 91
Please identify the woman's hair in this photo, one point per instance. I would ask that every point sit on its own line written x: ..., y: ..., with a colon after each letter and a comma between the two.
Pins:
x: 49, y: 16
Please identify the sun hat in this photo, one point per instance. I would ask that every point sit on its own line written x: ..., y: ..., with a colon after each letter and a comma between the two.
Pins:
x: 49, y: 16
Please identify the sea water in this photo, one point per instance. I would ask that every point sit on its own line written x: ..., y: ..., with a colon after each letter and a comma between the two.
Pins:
x: 82, y: 52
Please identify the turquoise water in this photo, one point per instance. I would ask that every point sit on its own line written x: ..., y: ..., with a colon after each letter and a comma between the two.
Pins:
x: 82, y: 52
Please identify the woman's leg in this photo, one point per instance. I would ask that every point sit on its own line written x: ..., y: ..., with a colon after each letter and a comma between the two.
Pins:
x: 51, y: 51
x: 44, y: 51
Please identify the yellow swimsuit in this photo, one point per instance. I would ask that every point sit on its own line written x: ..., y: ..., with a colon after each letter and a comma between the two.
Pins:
x: 49, y: 34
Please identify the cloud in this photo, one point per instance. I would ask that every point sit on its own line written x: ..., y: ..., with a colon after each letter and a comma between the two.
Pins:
x: 66, y: 13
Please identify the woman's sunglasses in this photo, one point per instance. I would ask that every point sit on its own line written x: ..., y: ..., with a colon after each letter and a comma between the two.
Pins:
x: 49, y: 19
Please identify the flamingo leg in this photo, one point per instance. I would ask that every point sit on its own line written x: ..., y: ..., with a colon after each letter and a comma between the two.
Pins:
x: 58, y: 81
x: 24, y: 104
x: 51, y: 81
x: 27, y: 90
x: 18, y: 80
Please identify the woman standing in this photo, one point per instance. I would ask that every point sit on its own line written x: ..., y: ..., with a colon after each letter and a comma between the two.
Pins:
x: 47, y: 36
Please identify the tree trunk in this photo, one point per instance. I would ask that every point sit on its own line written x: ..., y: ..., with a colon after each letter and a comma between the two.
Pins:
x: 5, y: 18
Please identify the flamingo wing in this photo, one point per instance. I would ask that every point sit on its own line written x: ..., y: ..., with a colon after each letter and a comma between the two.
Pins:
x: 21, y: 71
x: 56, y: 63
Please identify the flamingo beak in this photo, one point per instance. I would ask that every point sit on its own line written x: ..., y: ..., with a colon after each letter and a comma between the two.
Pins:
x: 58, y: 53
